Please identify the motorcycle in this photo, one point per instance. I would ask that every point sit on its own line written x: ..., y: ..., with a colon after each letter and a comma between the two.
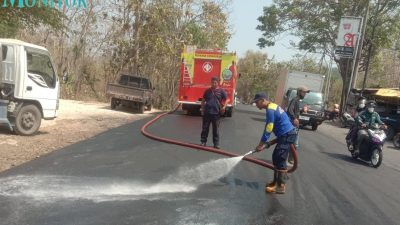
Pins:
x: 347, y: 120
x: 396, y: 140
x: 331, y: 115
x: 371, y: 149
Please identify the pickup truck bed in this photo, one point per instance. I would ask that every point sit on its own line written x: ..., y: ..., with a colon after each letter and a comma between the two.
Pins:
x: 128, y: 93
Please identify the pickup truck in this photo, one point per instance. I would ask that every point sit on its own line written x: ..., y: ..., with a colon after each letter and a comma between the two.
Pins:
x: 131, y: 91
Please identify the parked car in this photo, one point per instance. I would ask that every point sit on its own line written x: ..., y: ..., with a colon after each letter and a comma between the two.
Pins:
x: 131, y: 91
x: 311, y: 108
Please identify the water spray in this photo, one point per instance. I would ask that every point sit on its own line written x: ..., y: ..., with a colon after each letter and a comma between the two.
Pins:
x: 250, y: 153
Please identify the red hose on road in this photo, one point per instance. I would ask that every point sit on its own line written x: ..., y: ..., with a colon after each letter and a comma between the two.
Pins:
x: 209, y: 149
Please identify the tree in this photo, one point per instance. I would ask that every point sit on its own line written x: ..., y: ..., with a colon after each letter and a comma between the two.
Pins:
x: 13, y: 19
x: 258, y: 73
x: 316, y: 23
x: 166, y: 26
x: 96, y: 44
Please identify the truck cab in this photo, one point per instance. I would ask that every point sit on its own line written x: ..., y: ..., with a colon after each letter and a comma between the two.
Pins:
x: 29, y: 86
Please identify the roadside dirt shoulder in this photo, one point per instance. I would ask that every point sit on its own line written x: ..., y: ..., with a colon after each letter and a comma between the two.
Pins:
x: 76, y: 121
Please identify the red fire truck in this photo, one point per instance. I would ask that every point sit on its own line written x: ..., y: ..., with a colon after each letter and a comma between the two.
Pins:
x: 197, y: 68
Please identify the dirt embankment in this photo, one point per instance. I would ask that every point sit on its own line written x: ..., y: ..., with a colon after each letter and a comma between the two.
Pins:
x: 76, y: 121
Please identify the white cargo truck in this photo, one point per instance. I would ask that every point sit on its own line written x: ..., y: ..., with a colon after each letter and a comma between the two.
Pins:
x: 29, y: 86
x: 312, y: 106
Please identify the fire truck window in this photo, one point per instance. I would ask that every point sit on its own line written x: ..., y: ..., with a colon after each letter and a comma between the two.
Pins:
x: 40, y: 68
x: 8, y: 63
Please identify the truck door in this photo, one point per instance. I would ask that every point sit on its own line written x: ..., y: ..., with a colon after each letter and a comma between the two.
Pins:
x: 7, y: 64
x: 40, y: 81
x: 205, y: 69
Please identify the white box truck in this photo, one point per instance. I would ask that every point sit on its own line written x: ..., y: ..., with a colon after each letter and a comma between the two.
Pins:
x: 312, y: 106
x: 29, y: 86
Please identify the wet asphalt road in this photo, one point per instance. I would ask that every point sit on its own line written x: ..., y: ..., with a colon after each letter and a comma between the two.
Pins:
x: 106, y: 180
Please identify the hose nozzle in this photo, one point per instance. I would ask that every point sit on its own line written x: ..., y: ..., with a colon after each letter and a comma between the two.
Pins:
x: 249, y: 153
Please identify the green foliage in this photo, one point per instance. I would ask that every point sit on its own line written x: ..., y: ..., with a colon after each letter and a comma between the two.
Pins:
x: 12, y: 19
x: 166, y: 27
x: 258, y: 73
x: 316, y: 24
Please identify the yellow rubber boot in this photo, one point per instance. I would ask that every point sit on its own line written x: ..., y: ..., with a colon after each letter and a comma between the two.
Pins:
x: 281, y: 186
x: 273, y: 183
x: 280, y: 189
x: 270, y: 189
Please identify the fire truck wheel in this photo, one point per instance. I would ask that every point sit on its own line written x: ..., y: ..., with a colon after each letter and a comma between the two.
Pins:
x: 229, y: 112
x: 28, y: 120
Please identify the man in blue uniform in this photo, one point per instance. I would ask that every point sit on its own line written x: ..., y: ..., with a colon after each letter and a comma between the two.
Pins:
x: 213, y: 105
x: 279, y: 123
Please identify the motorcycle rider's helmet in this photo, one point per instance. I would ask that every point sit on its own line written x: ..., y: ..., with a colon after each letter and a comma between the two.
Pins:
x: 362, y: 102
x: 371, y: 106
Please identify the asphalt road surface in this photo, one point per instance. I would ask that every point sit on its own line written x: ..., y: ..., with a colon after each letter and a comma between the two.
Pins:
x: 118, y: 177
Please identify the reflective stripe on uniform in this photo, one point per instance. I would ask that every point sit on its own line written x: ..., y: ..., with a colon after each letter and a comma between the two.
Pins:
x: 272, y: 106
x: 269, y: 128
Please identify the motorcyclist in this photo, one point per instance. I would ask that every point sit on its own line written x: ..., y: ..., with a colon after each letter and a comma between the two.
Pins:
x: 367, y: 119
x: 352, y: 134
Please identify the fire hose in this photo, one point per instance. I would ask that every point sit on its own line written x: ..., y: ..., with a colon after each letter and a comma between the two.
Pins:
x: 214, y: 150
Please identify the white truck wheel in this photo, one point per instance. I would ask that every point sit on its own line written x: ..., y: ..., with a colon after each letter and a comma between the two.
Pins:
x: 28, y: 120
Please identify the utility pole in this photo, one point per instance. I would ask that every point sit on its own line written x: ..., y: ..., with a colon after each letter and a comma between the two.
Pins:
x: 369, y: 55
x: 358, y: 53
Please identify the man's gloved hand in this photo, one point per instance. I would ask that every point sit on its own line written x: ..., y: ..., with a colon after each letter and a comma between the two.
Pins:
x: 262, y: 146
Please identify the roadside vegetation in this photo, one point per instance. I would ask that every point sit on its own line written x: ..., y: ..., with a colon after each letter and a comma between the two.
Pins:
x: 146, y: 37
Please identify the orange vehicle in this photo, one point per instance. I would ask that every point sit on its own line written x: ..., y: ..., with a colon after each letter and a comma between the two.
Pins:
x: 197, y: 68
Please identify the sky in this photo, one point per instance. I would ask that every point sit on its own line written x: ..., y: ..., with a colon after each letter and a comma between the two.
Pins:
x: 243, y: 20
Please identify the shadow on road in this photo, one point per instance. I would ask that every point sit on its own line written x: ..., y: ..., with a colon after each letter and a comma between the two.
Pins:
x: 262, y: 113
x: 336, y: 123
x: 126, y: 109
x: 393, y: 148
x: 5, y: 130
x: 258, y: 119
x: 239, y: 182
x: 346, y: 158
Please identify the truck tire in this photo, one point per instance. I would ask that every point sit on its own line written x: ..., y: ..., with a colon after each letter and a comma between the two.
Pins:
x: 229, y: 112
x: 314, y: 126
x: 141, y: 108
x: 113, y: 103
x: 28, y: 120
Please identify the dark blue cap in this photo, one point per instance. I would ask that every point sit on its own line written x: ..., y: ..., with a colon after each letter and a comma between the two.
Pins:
x: 260, y: 96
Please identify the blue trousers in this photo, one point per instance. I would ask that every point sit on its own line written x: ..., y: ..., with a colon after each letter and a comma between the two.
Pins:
x: 282, y: 149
